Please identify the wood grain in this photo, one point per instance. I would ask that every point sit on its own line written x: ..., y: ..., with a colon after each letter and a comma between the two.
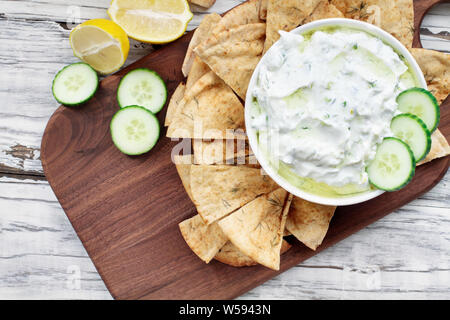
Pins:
x: 126, y: 210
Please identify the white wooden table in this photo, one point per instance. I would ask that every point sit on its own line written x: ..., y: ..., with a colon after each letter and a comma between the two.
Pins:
x: 405, y: 255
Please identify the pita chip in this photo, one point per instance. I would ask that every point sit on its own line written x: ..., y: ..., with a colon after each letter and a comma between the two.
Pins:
x: 324, y: 10
x: 231, y: 255
x: 204, y: 240
x: 435, y: 66
x: 309, y: 222
x: 263, y: 9
x: 245, y: 13
x: 198, y: 70
x: 219, y: 110
x: 182, y: 122
x: 203, y: 3
x: 201, y: 34
x: 439, y: 148
x: 219, y: 190
x: 286, y: 15
x: 210, y: 109
x: 257, y: 228
x: 183, y: 165
x: 220, y: 151
x: 174, y: 103
x: 233, y: 54
x: 394, y: 16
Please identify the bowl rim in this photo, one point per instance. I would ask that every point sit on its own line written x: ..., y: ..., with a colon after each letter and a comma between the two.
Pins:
x: 282, y: 182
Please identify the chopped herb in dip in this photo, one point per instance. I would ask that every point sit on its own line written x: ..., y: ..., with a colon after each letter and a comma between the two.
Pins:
x: 311, y: 82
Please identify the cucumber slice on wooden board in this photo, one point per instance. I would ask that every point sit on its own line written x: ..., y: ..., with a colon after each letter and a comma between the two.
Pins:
x: 75, y: 84
x: 421, y: 103
x: 134, y: 130
x: 142, y: 87
x: 413, y: 131
x: 393, y: 166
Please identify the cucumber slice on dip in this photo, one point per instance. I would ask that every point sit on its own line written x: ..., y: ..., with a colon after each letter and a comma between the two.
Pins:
x: 421, y: 103
x: 413, y: 131
x: 75, y: 84
x: 134, y: 130
x: 142, y: 87
x: 393, y: 166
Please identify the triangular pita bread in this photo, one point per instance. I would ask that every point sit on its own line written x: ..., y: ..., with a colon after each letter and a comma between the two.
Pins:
x: 309, y: 222
x: 220, y: 151
x: 198, y: 70
x: 394, y: 16
x: 245, y: 13
x: 324, y: 10
x: 435, y: 66
x: 219, y: 190
x: 201, y: 34
x: 286, y: 15
x: 233, y: 54
x: 257, y: 228
x: 231, y: 255
x: 204, y: 240
x: 174, y: 103
x: 210, y: 109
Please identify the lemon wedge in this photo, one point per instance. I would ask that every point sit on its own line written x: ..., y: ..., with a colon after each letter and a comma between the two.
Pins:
x: 151, y: 21
x: 101, y: 43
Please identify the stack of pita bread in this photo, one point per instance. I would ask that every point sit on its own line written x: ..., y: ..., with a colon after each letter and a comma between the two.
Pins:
x: 243, y: 215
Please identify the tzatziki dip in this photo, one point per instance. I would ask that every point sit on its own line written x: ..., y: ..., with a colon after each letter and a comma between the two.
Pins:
x: 323, y: 102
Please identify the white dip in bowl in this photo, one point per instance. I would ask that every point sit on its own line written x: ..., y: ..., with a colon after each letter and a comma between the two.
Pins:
x: 320, y: 102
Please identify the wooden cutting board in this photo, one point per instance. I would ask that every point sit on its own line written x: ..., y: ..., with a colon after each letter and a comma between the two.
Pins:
x: 126, y: 210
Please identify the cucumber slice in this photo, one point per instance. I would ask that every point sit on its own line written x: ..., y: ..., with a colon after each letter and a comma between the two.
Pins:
x: 410, y: 129
x: 75, y: 84
x: 421, y: 103
x: 393, y: 166
x: 142, y: 87
x: 134, y: 130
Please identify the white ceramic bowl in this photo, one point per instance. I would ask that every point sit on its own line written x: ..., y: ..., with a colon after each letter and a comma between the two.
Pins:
x: 355, y: 24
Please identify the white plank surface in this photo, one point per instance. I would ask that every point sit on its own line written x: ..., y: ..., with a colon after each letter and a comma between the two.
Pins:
x: 405, y: 255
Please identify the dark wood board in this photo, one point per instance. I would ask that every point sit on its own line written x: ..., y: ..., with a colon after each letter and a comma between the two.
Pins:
x: 126, y: 210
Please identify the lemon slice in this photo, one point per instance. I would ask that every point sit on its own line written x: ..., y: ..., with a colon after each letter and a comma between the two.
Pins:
x: 101, y: 43
x: 156, y: 21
